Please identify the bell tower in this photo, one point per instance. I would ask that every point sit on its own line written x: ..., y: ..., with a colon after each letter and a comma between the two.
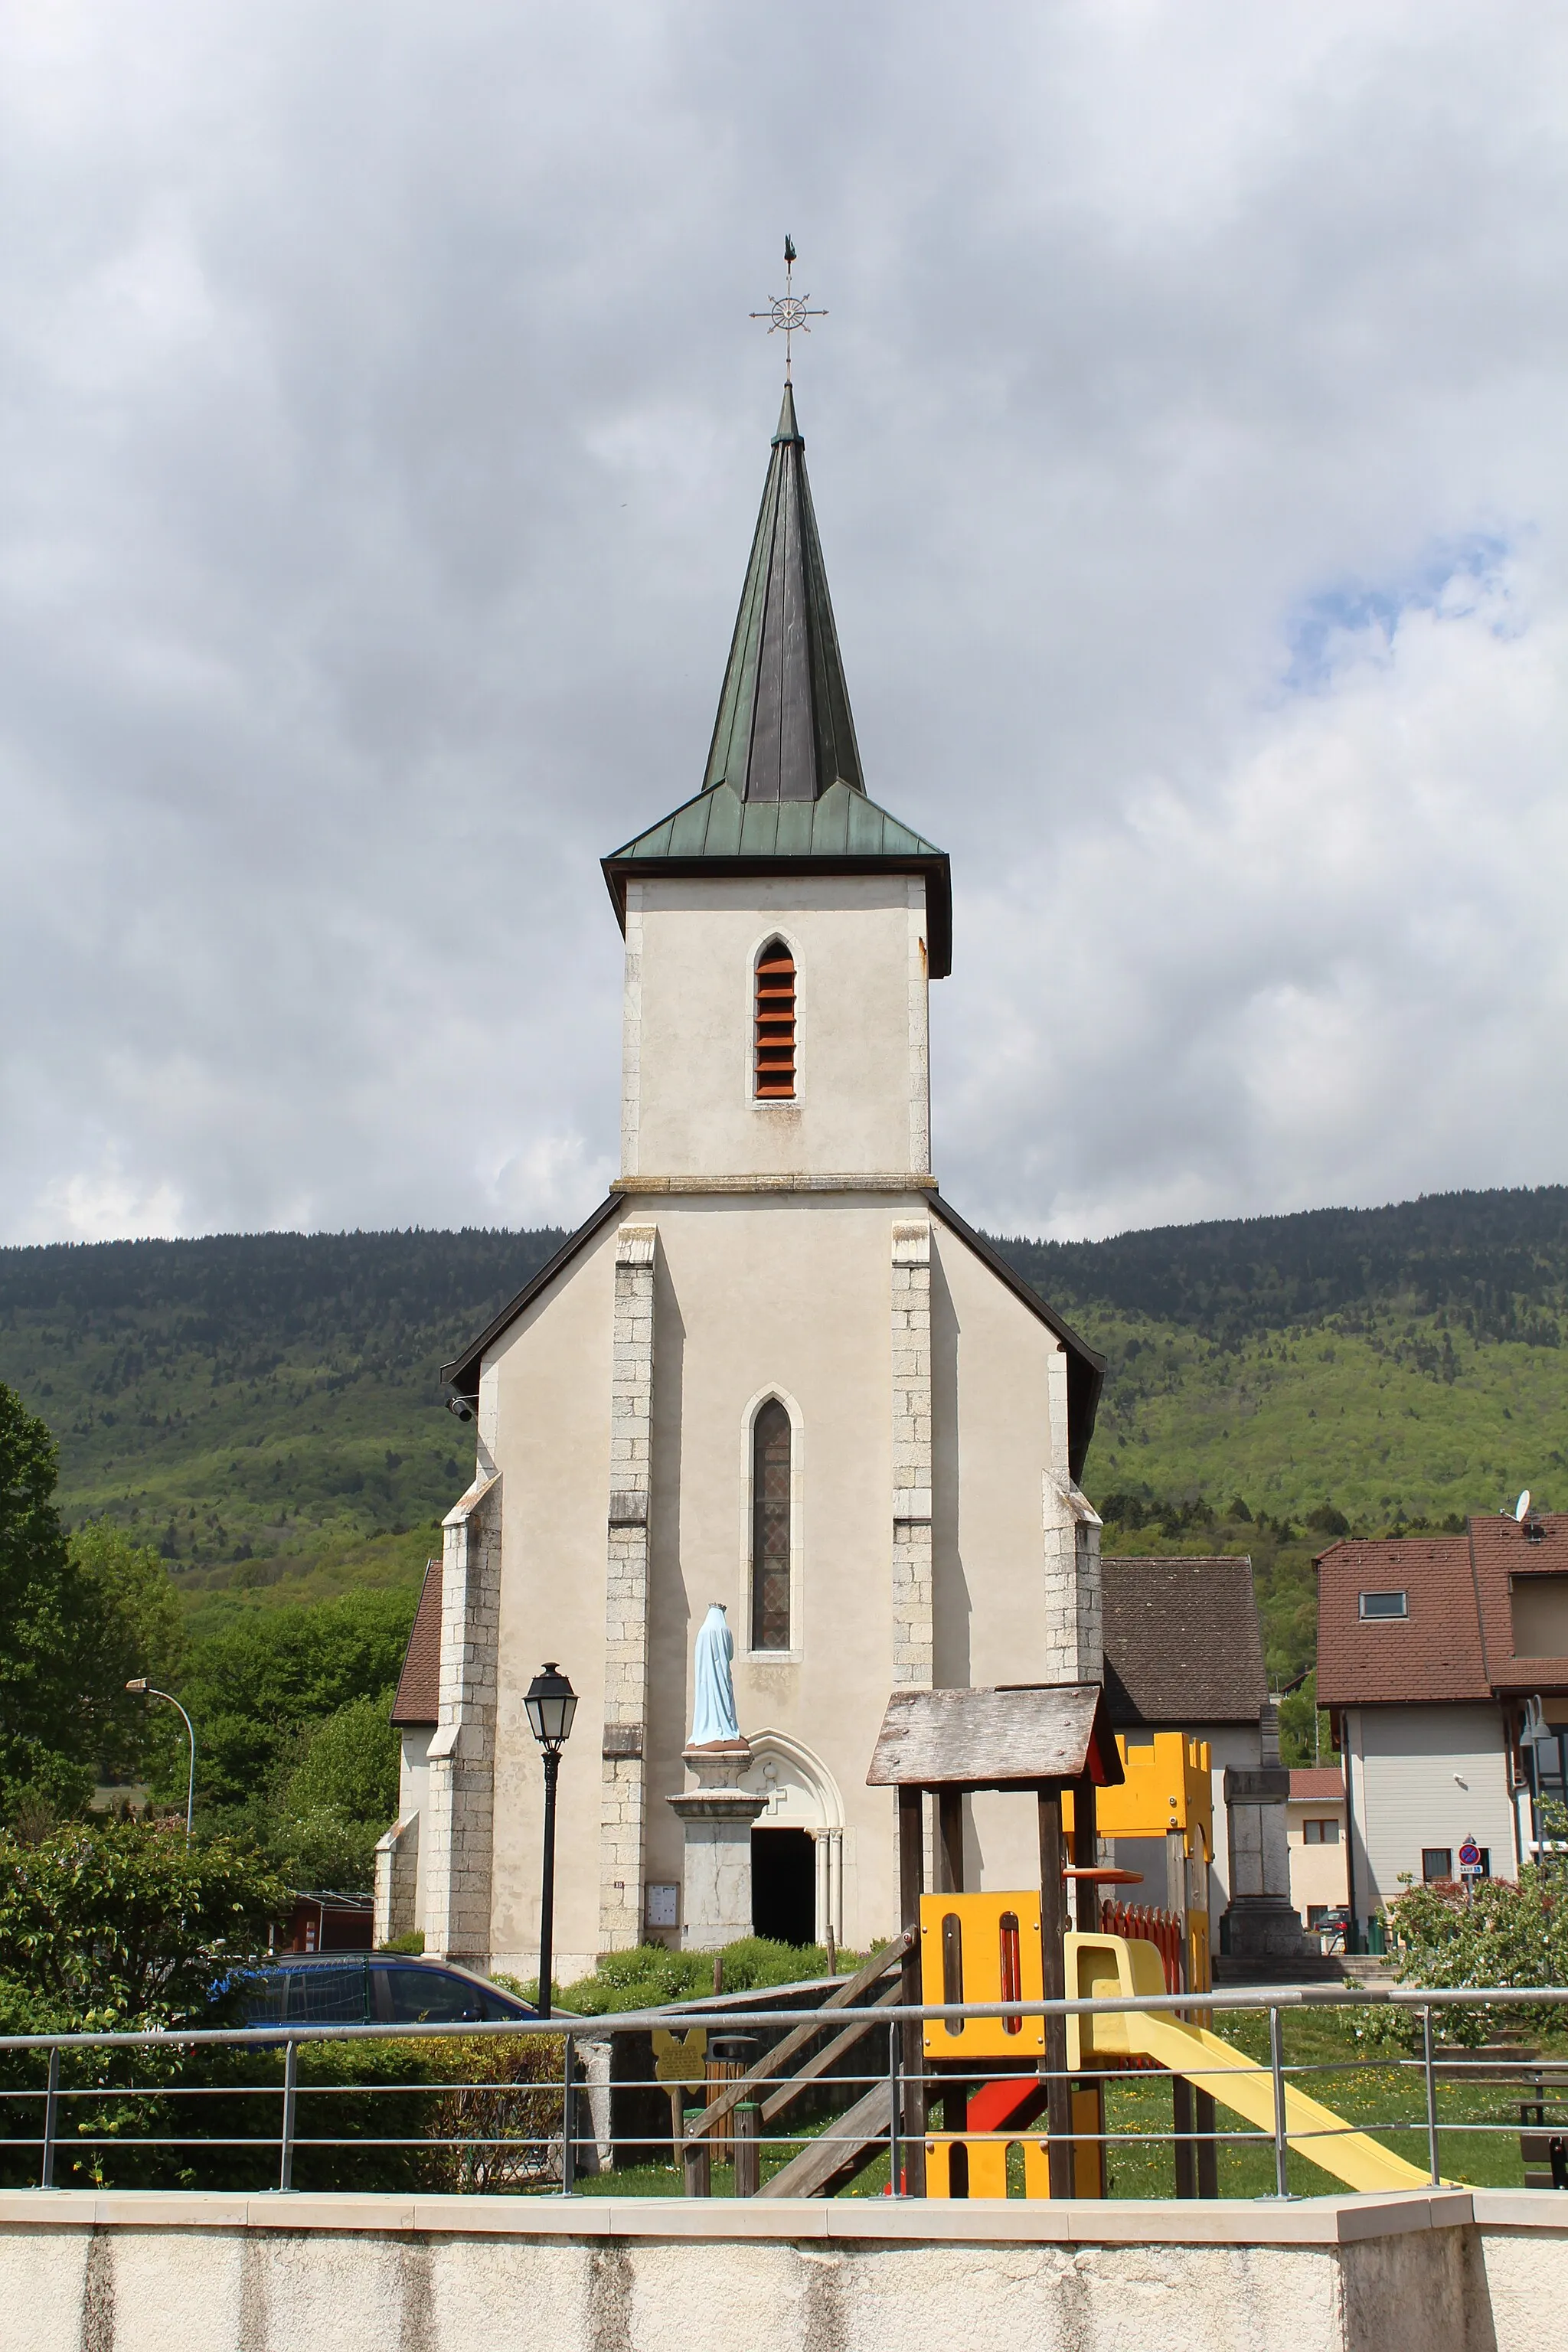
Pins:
x: 781, y: 929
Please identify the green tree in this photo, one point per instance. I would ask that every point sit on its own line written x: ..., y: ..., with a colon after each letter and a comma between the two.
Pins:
x: 336, y: 1801
x: 129, y: 1622
x: 116, y: 1924
x: 42, y: 1729
x: 256, y: 1687
x: 350, y: 1763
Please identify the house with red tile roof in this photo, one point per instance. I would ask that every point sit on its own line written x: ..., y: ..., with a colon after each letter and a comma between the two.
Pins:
x: 1315, y: 1828
x: 1444, y: 1663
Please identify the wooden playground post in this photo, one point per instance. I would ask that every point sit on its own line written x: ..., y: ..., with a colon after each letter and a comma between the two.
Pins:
x: 950, y: 1842
x: 1053, y: 1971
x: 911, y: 1885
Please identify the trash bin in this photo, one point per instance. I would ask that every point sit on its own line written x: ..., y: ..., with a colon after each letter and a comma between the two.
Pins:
x: 730, y: 2057
x: 1376, y: 1935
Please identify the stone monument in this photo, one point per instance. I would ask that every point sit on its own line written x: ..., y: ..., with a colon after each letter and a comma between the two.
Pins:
x: 1263, y: 1926
x: 716, y: 1901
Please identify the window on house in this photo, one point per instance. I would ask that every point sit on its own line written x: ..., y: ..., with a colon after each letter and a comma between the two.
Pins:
x: 1437, y: 1862
x: 1383, y: 1604
x: 1540, y: 1606
x: 775, y: 1036
x: 1320, y: 1832
x: 770, y: 1528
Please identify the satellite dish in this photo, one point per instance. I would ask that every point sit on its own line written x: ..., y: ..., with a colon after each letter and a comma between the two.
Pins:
x: 1522, y: 1508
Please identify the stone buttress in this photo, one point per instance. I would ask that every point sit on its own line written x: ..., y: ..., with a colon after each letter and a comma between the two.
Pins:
x: 624, y: 1788
x: 462, y: 1748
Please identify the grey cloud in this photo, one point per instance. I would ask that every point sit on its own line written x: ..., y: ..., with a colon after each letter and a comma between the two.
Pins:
x: 383, y: 431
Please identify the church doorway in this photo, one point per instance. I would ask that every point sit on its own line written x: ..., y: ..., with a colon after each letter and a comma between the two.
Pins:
x: 784, y: 1886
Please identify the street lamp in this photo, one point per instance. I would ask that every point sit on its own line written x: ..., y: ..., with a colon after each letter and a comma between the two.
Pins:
x: 142, y: 1688
x: 551, y: 1703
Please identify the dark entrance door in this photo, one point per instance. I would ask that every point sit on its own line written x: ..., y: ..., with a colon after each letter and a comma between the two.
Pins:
x: 784, y: 1886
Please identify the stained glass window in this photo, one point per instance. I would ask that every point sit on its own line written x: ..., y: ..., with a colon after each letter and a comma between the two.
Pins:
x: 770, y: 1528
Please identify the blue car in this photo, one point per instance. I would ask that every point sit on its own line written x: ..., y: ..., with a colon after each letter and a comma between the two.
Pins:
x: 369, y: 1988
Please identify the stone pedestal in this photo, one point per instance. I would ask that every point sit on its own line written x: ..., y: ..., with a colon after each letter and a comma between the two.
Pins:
x: 1262, y: 1923
x: 716, y: 1898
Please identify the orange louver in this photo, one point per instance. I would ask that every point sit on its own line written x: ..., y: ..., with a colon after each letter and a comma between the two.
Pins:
x: 774, y: 1038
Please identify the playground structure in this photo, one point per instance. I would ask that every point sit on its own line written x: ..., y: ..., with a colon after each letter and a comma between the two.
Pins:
x: 1056, y: 1743
x: 996, y: 2079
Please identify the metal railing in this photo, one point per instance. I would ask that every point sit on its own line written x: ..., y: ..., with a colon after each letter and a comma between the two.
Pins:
x: 559, y: 2120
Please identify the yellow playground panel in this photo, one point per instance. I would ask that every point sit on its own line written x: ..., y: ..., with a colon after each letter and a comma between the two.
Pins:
x: 1166, y: 1786
x: 980, y: 1947
x: 980, y: 2159
x: 985, y: 1947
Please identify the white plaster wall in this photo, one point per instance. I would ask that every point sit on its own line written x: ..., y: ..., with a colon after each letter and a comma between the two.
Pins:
x: 1425, y: 1776
x: 545, y: 1410
x: 790, y: 1291
x: 384, y: 2271
x: 1316, y: 1871
x: 862, y: 1095
x: 414, y: 1798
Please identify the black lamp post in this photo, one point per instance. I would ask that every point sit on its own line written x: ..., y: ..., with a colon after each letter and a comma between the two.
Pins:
x: 551, y: 1703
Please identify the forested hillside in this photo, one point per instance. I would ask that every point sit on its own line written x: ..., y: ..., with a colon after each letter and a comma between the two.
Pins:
x: 265, y: 1409
x: 262, y: 1407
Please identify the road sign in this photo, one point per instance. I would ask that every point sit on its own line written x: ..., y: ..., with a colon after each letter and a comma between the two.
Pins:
x: 1470, y: 1858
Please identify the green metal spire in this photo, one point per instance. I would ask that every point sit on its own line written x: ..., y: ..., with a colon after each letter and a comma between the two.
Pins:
x: 784, y: 792
x: 783, y: 730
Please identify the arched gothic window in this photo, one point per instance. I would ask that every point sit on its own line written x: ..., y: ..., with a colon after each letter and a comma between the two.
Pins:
x: 771, y: 1436
x: 774, y: 1048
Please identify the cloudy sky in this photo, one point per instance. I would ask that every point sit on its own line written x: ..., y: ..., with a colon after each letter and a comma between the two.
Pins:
x: 381, y: 434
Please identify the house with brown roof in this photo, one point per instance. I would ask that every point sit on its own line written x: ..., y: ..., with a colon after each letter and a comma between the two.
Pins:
x: 1184, y: 1650
x: 1444, y: 1663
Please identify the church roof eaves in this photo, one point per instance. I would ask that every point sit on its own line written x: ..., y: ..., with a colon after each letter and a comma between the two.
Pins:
x: 418, y: 1698
x: 718, y: 834
x: 461, y: 1375
x: 1086, y: 1366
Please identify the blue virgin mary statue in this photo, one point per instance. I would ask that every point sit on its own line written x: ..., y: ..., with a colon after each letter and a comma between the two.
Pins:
x: 713, y: 1722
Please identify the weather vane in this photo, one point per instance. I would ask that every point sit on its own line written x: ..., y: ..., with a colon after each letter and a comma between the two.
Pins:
x: 787, y: 311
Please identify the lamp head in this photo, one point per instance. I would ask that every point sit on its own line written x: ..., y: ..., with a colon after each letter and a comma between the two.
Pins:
x: 139, y: 1686
x: 551, y: 1703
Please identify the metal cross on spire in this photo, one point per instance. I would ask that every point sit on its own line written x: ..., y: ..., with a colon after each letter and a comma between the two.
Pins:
x: 787, y: 311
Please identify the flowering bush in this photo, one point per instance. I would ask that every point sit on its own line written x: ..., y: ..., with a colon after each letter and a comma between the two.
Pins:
x: 1497, y: 1933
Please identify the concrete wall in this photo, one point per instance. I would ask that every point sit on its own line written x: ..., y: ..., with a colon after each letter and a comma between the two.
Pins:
x: 862, y: 1099
x: 1474, y: 2272
x: 755, y: 1296
x: 1424, y: 1776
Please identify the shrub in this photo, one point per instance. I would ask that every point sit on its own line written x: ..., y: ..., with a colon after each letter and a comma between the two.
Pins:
x: 1498, y: 1933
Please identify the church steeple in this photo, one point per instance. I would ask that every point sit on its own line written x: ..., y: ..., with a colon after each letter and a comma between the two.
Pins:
x: 784, y: 730
x: 783, y: 793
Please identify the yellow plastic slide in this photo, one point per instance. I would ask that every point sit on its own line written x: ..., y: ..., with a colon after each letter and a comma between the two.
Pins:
x: 1111, y: 1967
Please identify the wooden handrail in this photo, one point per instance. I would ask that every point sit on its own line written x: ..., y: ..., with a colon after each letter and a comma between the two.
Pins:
x: 782, y: 2052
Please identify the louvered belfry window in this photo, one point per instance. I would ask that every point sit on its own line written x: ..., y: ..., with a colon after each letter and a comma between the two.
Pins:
x: 770, y: 1528
x: 775, y: 1046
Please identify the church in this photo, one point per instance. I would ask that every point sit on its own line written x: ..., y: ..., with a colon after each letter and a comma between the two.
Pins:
x: 774, y: 1372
